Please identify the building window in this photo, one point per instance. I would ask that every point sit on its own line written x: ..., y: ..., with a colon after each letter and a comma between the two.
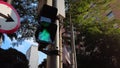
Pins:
x: 110, y: 15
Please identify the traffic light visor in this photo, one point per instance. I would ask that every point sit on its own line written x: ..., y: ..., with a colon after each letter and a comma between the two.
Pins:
x: 49, y: 12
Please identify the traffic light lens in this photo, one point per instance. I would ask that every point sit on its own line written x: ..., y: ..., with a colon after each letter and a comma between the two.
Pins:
x: 45, y: 24
x: 45, y: 19
x: 45, y: 36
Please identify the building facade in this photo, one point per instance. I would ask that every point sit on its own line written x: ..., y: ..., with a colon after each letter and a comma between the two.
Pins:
x: 32, y: 56
x: 115, y: 9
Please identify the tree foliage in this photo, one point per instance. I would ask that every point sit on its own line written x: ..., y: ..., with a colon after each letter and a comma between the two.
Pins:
x: 98, y: 37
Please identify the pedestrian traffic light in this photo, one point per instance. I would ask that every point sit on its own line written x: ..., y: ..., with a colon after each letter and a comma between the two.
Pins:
x: 46, y: 31
x: 45, y: 34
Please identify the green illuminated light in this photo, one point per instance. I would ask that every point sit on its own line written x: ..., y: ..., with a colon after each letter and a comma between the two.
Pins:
x: 44, y: 36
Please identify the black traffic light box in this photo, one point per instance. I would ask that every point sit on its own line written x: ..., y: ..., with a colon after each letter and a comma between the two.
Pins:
x: 46, y: 31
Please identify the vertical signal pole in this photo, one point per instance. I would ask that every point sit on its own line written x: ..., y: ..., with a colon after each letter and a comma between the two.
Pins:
x: 61, y: 51
x: 53, y: 60
x: 60, y: 5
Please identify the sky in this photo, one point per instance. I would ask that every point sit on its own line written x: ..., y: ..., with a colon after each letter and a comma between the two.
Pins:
x: 23, y: 47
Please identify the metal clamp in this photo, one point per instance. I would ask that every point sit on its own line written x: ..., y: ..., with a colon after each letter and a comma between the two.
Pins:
x: 51, y: 52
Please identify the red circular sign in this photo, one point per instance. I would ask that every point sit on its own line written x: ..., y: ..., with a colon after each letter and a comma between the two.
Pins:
x: 9, y: 18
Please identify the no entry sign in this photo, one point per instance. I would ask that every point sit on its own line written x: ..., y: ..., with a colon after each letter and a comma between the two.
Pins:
x: 9, y: 18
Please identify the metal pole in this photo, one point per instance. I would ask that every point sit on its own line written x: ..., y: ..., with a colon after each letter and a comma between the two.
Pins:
x: 60, y: 5
x: 74, y: 61
x: 61, y: 61
x: 53, y: 60
x: 61, y: 51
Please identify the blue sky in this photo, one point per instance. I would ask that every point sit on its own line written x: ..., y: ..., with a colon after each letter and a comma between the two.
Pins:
x: 23, y: 47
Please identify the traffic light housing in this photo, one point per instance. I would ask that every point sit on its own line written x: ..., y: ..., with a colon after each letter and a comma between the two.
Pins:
x: 46, y: 31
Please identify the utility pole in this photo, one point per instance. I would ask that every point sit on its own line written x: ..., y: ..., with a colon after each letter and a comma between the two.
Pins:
x: 61, y: 46
x: 55, y: 61
x: 73, y: 54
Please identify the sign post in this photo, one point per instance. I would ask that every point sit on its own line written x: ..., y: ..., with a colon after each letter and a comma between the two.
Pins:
x: 9, y: 18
